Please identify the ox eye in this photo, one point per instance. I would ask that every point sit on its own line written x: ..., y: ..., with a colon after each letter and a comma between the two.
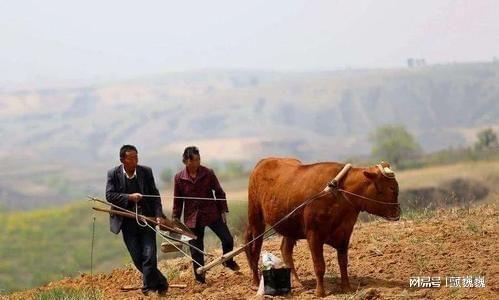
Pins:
x: 378, y: 189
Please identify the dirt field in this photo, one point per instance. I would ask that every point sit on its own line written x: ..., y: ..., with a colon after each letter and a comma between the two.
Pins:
x: 383, y: 257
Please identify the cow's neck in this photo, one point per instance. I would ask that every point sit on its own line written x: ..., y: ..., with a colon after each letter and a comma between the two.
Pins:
x: 354, y: 182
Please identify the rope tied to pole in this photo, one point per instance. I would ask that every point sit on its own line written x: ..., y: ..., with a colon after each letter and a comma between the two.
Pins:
x: 127, y: 213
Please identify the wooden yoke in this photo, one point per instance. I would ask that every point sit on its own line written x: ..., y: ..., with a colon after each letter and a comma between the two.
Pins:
x: 334, y: 183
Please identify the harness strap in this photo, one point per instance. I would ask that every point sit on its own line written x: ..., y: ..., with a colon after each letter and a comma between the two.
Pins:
x: 366, y: 198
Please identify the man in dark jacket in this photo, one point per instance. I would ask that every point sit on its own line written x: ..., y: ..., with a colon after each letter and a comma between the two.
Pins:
x: 197, y: 181
x: 126, y: 184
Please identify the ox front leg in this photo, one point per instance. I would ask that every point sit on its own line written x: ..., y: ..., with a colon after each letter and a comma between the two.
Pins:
x: 316, y: 246
x: 343, y: 263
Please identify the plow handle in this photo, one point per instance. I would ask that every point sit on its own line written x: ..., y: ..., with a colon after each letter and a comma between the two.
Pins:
x: 220, y: 260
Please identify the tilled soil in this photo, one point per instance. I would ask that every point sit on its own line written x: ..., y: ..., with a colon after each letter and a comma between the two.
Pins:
x: 383, y: 256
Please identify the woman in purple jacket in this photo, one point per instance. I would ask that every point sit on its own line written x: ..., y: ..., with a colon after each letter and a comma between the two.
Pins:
x: 197, y: 181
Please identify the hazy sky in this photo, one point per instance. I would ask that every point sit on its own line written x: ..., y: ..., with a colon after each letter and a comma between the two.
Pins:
x: 55, y: 41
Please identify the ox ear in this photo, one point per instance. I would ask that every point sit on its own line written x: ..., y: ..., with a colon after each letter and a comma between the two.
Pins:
x: 370, y: 175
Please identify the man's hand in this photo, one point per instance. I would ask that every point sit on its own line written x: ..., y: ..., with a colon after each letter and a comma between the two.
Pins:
x: 161, y: 221
x: 135, y: 197
x: 224, y: 218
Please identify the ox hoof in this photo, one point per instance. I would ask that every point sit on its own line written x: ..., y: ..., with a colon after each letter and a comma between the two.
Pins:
x: 255, y: 283
x: 298, y: 286
x: 296, y: 283
x: 320, y: 293
x: 346, y: 288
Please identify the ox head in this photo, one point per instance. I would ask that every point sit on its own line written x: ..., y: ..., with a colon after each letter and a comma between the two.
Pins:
x: 383, y: 189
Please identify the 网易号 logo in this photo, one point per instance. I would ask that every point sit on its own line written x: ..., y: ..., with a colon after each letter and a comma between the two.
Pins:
x: 450, y: 281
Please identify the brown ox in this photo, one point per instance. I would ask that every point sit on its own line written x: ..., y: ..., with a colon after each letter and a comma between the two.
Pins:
x: 278, y: 185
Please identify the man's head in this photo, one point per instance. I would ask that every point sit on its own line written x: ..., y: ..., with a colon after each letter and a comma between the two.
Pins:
x: 129, y: 157
x: 191, y: 158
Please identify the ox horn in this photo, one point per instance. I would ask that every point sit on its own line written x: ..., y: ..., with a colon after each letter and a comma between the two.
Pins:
x: 386, y: 171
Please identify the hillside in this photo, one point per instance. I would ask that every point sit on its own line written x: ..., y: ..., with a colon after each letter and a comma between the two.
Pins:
x: 58, y: 143
x: 56, y: 242
x: 48, y: 244
x: 383, y: 256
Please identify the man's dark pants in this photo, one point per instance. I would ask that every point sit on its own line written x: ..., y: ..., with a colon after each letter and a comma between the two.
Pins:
x: 221, y: 230
x: 141, y: 244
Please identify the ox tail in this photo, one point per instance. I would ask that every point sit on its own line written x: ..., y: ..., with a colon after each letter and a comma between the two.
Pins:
x: 248, y: 236
x: 255, y: 227
x: 253, y: 250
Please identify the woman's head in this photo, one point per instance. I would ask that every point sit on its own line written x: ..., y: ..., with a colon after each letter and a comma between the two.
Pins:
x: 191, y: 157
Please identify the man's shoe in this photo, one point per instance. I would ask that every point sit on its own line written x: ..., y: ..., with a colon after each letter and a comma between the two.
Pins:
x: 200, y: 279
x: 162, y: 291
x: 231, y: 265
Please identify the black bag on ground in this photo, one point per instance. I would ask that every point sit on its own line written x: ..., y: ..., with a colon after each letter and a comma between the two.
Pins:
x: 276, y: 281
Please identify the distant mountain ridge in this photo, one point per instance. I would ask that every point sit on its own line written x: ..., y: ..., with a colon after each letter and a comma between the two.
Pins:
x: 75, y: 133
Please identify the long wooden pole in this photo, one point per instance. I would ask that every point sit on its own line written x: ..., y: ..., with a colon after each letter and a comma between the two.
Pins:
x: 144, y: 218
x: 220, y: 260
x: 169, y: 223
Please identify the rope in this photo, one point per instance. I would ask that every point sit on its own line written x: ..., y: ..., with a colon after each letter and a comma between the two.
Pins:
x: 188, y: 198
x: 171, y: 243
x: 262, y: 235
x: 318, y: 195
x: 164, y: 236
x: 366, y: 198
x: 137, y: 217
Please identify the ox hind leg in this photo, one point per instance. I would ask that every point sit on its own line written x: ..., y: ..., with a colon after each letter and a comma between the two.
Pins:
x: 316, y: 245
x: 256, y: 226
x: 343, y: 263
x: 287, y: 246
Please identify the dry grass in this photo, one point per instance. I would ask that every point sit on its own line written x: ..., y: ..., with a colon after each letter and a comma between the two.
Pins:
x: 486, y: 171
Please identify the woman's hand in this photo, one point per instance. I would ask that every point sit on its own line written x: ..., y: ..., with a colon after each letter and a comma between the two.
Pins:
x: 224, y: 218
